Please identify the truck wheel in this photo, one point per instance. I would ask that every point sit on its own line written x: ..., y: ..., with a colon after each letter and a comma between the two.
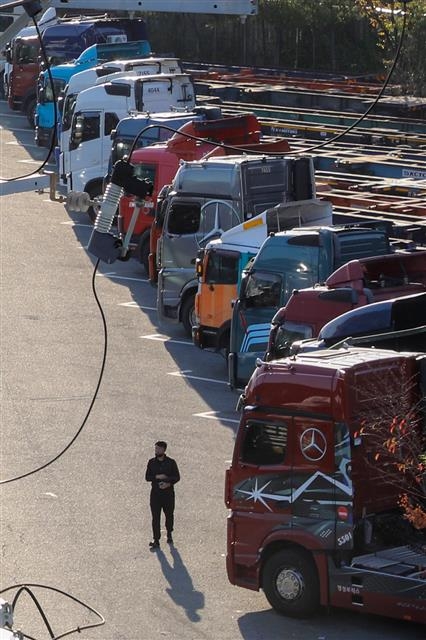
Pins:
x: 142, y: 252
x: 225, y: 344
x: 188, y: 314
x: 290, y: 583
x: 30, y: 109
x: 94, y: 192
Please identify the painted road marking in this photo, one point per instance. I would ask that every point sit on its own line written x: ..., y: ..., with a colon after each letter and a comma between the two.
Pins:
x: 27, y: 146
x: 136, y: 305
x: 117, y: 276
x: 34, y: 162
x: 215, y: 415
x: 161, y: 338
x: 183, y: 374
x: 75, y: 224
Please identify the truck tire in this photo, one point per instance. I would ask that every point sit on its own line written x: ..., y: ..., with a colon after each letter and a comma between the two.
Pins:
x: 225, y: 344
x: 142, y: 252
x: 94, y: 191
x: 188, y: 314
x: 30, y: 109
x: 290, y: 583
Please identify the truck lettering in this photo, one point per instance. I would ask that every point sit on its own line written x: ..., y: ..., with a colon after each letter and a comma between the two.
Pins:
x: 347, y: 537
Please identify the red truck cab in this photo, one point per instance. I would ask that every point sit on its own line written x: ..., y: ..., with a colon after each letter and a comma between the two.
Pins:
x: 313, y: 519
x: 24, y: 53
x: 159, y: 163
x: 355, y: 284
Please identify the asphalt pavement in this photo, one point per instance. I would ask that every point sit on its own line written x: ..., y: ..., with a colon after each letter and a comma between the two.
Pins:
x: 82, y: 525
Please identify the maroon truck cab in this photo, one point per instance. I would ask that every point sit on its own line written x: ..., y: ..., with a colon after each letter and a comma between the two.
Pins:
x: 25, y: 69
x: 355, y: 284
x: 305, y: 506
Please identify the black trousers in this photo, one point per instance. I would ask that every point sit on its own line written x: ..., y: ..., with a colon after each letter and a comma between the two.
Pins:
x: 162, y: 501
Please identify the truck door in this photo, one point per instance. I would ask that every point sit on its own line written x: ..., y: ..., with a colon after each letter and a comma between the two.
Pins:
x: 189, y: 225
x: 218, y: 287
x: 322, y: 485
x: 84, y: 142
x: 260, y: 479
x: 109, y: 123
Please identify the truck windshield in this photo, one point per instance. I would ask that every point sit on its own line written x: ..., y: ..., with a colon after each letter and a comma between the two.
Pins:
x: 68, y: 110
x: 143, y: 171
x: 47, y: 95
x: 262, y: 289
x: 211, y: 219
x: 222, y: 268
x: 285, y: 335
x: 123, y: 143
x: 26, y: 53
x: 294, y: 266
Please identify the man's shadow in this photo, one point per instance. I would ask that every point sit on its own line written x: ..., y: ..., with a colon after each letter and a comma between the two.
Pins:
x: 181, y: 589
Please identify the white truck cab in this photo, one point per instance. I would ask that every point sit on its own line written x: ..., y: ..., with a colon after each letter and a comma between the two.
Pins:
x: 99, y: 75
x: 99, y: 109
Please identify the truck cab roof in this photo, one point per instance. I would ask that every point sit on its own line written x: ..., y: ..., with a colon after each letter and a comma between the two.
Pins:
x: 323, y: 382
x: 405, y: 312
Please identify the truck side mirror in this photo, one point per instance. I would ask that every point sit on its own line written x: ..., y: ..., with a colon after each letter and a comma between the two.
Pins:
x: 199, y: 266
x: 76, y: 132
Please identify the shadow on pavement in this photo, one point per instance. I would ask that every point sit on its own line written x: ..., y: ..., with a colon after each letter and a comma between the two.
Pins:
x: 181, y: 589
x: 333, y: 624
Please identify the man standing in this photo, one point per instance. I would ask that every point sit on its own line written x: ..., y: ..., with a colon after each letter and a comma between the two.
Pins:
x: 163, y: 473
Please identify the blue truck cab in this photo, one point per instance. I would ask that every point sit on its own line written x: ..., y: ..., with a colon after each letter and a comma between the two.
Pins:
x: 91, y: 56
x: 286, y: 261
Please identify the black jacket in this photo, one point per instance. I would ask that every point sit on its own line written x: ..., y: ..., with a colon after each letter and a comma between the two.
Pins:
x: 167, y: 466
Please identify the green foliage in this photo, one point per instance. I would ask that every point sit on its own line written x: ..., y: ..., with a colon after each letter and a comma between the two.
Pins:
x: 352, y: 37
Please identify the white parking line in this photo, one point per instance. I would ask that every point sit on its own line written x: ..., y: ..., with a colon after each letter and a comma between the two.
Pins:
x: 117, y: 276
x: 161, y: 338
x: 183, y: 374
x: 75, y: 224
x: 135, y: 305
x: 215, y: 415
x: 34, y: 162
x: 27, y: 146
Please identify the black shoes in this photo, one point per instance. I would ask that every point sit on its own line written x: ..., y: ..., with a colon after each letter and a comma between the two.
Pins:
x: 156, y: 543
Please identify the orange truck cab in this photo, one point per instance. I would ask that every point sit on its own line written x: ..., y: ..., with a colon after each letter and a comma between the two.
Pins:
x: 314, y: 496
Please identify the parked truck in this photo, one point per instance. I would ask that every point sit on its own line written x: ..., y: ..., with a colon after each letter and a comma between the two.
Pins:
x: 398, y: 323
x: 98, y: 75
x: 314, y: 510
x: 220, y: 265
x: 109, y: 48
x: 22, y: 63
x: 286, y: 261
x: 99, y: 109
x: 355, y: 284
x: 159, y: 162
x: 207, y: 198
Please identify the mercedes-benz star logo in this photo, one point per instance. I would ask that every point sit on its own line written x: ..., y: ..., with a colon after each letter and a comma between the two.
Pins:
x: 313, y: 444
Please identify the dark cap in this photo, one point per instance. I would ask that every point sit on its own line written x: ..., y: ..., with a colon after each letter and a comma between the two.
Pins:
x: 162, y: 444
